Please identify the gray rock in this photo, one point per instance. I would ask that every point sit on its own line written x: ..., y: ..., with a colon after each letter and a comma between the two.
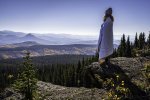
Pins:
x: 130, y: 66
x: 10, y: 94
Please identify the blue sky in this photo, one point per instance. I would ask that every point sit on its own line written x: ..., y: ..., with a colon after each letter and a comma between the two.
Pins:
x: 77, y: 17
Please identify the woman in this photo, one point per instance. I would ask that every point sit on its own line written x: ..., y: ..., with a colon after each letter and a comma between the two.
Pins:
x: 105, y: 42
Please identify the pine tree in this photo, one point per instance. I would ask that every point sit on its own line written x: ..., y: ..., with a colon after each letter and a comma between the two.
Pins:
x: 26, y: 82
x: 96, y: 56
x: 141, y: 40
x: 148, y: 41
x: 136, y: 41
x: 122, y: 47
x: 128, y: 48
x: 119, y: 50
x: 114, y: 53
x: 78, y: 71
x: 79, y: 66
x: 83, y: 62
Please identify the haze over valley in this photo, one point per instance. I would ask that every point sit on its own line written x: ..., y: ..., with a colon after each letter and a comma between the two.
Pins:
x: 15, y: 44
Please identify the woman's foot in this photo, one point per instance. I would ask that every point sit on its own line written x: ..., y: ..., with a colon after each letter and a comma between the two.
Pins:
x: 102, y: 62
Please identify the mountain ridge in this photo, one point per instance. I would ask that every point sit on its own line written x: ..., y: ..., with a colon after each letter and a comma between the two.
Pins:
x: 48, y: 39
x: 43, y: 50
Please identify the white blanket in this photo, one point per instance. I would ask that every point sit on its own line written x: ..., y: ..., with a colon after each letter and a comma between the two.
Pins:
x: 105, y: 42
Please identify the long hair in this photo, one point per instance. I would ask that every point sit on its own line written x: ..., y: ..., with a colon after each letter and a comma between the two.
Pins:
x: 110, y: 16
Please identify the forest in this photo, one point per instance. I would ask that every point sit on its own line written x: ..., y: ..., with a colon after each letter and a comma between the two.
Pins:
x: 56, y: 69
x: 140, y: 46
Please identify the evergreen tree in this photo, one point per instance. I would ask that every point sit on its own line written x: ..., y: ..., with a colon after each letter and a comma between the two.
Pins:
x: 141, y: 40
x: 78, y: 71
x: 136, y: 41
x: 26, y: 82
x: 96, y: 56
x: 83, y: 62
x: 128, y: 48
x: 114, y: 53
x: 122, y: 47
x: 119, y: 49
x: 148, y: 41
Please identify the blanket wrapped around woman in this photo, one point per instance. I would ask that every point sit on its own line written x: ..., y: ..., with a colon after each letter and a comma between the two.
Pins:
x: 105, y: 42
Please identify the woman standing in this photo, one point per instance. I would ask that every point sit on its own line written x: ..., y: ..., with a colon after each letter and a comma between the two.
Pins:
x: 105, y: 42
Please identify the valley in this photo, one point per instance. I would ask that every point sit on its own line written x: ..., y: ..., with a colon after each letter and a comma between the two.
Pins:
x: 17, y: 51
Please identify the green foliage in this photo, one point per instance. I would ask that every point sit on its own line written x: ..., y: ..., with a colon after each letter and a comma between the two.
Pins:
x: 115, y: 54
x: 148, y: 41
x: 7, y: 75
x: 122, y: 47
x: 146, y: 74
x: 117, y: 89
x: 140, y: 47
x: 128, y: 48
x: 96, y: 56
x: 141, y: 40
x: 26, y: 81
x: 66, y: 70
x: 136, y: 45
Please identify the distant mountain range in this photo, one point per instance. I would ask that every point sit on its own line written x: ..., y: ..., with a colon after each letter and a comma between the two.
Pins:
x: 15, y: 44
x: 22, y: 44
x: 10, y: 37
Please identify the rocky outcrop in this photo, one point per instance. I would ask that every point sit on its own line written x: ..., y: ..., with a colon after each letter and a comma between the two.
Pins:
x: 129, y: 66
x: 56, y: 92
x: 129, y: 70
x: 10, y: 94
x: 48, y: 91
x: 132, y: 67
